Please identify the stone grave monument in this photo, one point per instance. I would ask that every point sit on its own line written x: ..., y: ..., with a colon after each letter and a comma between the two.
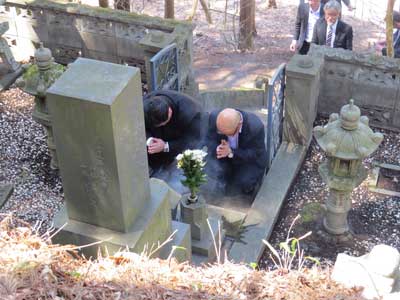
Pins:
x: 9, y: 68
x: 98, y: 127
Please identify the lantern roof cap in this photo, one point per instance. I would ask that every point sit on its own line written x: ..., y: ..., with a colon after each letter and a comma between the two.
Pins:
x: 348, y: 136
x: 43, y: 57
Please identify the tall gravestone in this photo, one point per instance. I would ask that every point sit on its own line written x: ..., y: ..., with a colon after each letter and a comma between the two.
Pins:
x: 98, y: 126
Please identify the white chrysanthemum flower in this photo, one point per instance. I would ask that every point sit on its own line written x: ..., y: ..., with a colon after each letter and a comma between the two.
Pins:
x: 179, y: 157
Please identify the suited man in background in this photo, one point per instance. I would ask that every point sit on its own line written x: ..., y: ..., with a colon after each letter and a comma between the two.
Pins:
x: 307, y: 15
x: 346, y: 2
x: 396, y: 37
x: 331, y: 31
x: 236, y: 149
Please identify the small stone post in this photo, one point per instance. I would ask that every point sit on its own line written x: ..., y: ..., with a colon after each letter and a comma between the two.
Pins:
x: 346, y: 139
x: 10, y: 69
x: 37, y: 78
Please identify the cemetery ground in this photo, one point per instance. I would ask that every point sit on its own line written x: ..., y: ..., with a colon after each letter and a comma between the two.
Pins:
x: 49, y: 270
x: 218, y: 64
x: 38, y: 195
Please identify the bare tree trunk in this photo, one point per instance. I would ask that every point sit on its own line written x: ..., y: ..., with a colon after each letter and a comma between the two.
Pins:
x: 206, y: 11
x: 246, y: 24
x: 205, y: 8
x: 169, y: 9
x: 103, y: 3
x: 389, y: 28
x: 253, y: 19
x: 272, y: 4
x: 194, y: 8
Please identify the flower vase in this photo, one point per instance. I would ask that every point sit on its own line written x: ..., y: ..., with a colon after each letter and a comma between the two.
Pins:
x: 195, y: 214
x: 192, y: 198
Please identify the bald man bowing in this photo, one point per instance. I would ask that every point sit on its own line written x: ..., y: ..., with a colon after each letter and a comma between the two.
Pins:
x: 236, y: 141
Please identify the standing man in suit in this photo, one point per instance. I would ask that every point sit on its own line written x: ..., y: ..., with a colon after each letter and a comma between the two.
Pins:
x: 396, y: 37
x: 331, y: 31
x: 346, y: 2
x: 172, y: 122
x: 236, y: 143
x: 307, y: 15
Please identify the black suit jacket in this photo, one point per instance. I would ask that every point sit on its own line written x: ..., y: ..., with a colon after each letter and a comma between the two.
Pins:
x: 301, y: 25
x: 251, y: 150
x: 183, y: 130
x: 343, y: 38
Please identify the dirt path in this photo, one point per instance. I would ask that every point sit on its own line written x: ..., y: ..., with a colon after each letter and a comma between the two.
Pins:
x: 217, y: 64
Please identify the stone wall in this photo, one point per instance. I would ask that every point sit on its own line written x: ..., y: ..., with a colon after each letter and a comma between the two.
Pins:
x: 372, y: 81
x: 71, y: 30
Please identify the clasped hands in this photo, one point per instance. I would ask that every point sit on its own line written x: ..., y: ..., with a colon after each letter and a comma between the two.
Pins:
x: 155, y: 146
x: 223, y: 149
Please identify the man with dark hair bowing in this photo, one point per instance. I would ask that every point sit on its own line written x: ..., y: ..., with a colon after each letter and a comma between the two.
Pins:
x: 236, y: 140
x: 172, y: 123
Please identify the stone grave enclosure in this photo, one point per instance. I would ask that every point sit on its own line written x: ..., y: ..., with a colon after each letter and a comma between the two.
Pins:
x: 71, y: 30
x: 372, y: 81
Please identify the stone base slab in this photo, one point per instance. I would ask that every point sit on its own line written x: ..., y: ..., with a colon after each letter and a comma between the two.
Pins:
x: 152, y: 227
x: 5, y: 193
x: 182, y: 240
x: 206, y: 246
x: 8, y: 79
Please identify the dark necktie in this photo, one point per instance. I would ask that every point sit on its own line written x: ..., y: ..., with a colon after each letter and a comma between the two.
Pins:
x: 329, y: 37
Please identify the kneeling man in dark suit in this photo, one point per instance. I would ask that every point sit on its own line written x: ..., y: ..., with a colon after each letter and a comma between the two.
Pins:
x: 331, y: 31
x: 172, y: 123
x: 236, y: 141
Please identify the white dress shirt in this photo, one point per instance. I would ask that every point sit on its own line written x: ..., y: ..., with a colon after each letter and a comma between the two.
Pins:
x: 333, y: 32
x: 313, y: 17
x: 233, y: 140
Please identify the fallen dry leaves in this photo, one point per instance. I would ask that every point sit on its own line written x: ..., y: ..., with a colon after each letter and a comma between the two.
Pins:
x: 32, y: 268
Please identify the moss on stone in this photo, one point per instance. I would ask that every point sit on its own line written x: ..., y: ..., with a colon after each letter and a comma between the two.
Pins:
x: 311, y: 212
x: 104, y: 13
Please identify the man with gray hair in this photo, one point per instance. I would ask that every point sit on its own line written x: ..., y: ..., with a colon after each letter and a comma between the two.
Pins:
x: 330, y: 31
x: 346, y: 2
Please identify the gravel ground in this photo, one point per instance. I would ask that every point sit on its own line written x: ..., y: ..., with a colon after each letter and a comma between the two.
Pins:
x: 374, y: 218
x: 25, y: 161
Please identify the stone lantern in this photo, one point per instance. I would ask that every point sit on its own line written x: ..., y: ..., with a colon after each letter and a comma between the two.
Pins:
x: 347, y: 139
x: 37, y: 78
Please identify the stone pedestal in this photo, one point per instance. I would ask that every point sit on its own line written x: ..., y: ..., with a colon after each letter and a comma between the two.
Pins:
x: 196, y: 215
x: 98, y: 127
x: 338, y: 206
x: 338, y: 203
x: 10, y: 69
x: 301, y: 97
x: 5, y: 192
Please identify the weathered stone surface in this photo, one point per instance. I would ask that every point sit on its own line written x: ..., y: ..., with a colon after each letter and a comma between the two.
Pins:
x: 355, y: 271
x: 302, y: 90
x: 151, y: 227
x: 71, y: 30
x: 263, y: 213
x: 384, y: 260
x: 5, y: 193
x: 99, y: 132
x: 181, y: 246
x: 373, y: 81
x: 347, y: 139
x: 195, y: 214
